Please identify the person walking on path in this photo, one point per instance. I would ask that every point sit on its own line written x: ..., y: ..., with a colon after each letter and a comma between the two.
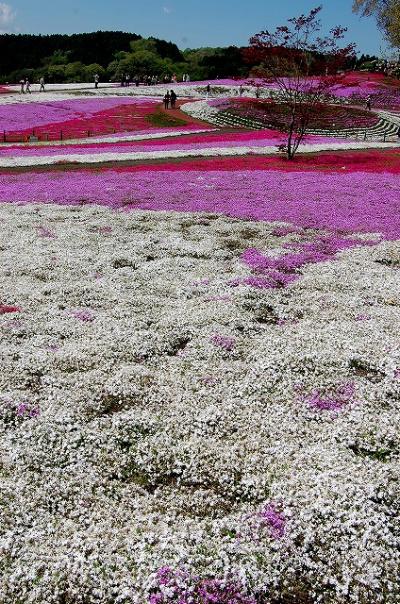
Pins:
x: 96, y: 80
x: 368, y: 103
x: 41, y: 82
x: 22, y: 82
x: 167, y: 99
x: 173, y: 99
x: 28, y: 86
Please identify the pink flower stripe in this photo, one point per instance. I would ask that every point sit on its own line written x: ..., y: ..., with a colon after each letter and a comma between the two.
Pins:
x: 352, y: 84
x: 94, y: 120
x: 371, y: 160
x: 6, y: 309
x: 187, y: 143
x: 21, y: 116
x: 311, y: 199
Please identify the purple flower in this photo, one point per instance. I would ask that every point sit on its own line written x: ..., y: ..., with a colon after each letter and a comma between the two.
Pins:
x: 26, y: 410
x: 341, y: 396
x: 274, y: 520
x: 363, y: 317
x: 84, y: 315
x: 22, y: 409
x: 45, y: 232
x: 221, y: 341
x: 179, y: 587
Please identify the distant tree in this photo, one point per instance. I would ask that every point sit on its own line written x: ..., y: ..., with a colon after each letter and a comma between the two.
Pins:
x: 303, y: 67
x: 59, y: 57
x: 22, y: 51
x: 56, y: 73
x: 387, y: 14
x: 366, y: 61
x: 146, y: 57
x: 91, y: 70
x: 74, y: 72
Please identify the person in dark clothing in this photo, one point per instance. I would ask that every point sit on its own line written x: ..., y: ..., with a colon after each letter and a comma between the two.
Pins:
x: 173, y: 99
x: 167, y: 99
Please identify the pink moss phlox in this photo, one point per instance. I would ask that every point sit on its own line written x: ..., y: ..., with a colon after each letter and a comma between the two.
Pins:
x: 84, y: 315
x: 363, y: 317
x: 178, y: 587
x: 72, y: 114
x: 24, y: 410
x: 105, y: 230
x: 340, y: 397
x: 45, y: 232
x: 226, y: 342
x: 351, y: 202
x: 321, y: 250
x: 5, y: 309
x: 274, y: 520
x: 279, y: 272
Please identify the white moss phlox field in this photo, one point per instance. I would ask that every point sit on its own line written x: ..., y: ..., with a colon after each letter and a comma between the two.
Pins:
x: 152, y: 415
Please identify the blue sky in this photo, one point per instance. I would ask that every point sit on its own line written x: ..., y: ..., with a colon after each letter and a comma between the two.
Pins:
x: 188, y: 23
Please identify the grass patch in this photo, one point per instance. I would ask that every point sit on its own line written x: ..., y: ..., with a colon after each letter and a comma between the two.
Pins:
x: 163, y: 120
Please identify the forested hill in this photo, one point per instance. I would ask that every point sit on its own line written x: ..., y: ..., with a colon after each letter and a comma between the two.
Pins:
x: 22, y: 51
x: 109, y: 54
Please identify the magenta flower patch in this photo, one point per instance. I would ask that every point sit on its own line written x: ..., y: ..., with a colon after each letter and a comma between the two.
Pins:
x: 179, y: 587
x: 45, y: 232
x: 224, y: 342
x: 84, y: 315
x: 274, y: 520
x: 26, y: 410
x: 5, y: 309
x: 331, y: 401
x: 317, y: 200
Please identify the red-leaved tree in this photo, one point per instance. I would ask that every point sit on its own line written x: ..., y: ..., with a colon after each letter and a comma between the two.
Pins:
x: 302, y: 66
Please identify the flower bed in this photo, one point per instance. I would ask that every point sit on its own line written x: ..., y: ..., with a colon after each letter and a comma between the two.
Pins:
x: 189, y: 143
x: 324, y: 117
x: 308, y: 199
x: 77, y: 118
x: 199, y: 391
x: 178, y: 435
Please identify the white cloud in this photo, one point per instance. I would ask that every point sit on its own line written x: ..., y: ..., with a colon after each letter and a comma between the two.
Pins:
x: 167, y: 10
x: 7, y: 15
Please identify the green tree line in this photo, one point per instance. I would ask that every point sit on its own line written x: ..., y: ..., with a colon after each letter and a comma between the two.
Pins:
x: 111, y: 55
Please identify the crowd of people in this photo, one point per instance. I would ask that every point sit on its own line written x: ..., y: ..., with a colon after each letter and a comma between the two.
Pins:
x: 26, y: 86
x: 151, y: 80
x: 126, y: 80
